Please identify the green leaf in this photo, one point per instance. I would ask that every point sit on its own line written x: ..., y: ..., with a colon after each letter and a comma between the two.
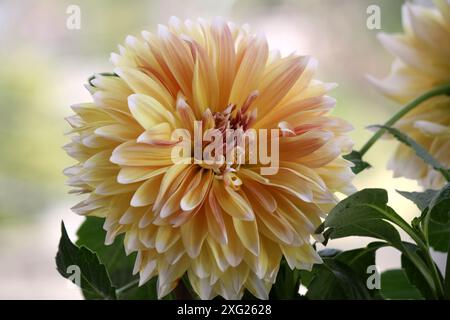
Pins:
x: 413, y: 273
x: 360, y: 259
x: 436, y: 204
x: 418, y: 149
x: 356, y: 158
x: 91, y: 235
x: 364, y: 214
x: 378, y: 229
x: 343, y: 275
x: 438, y: 235
x: 421, y: 199
x: 119, y: 265
x: 361, y: 206
x: 395, y: 285
x: 95, y: 282
x: 335, y: 280
x: 439, y: 209
x: 439, y: 223
x: 306, y: 276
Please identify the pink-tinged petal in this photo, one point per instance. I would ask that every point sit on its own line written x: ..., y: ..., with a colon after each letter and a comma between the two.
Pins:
x: 197, y: 190
x: 290, y: 181
x: 172, y: 178
x: 302, y: 84
x: 185, y: 113
x: 162, y: 71
x: 193, y: 233
x: 224, y: 61
x: 113, y: 100
x: 175, y: 253
x: 233, y: 250
x: 205, y: 87
x: 232, y: 202
x: 138, y: 154
x: 302, y: 145
x: 147, y: 192
x: 144, y: 84
x: 430, y: 32
x: 257, y: 287
x: 136, y: 174
x: 112, y: 187
x: 130, y: 216
x: 147, y: 236
x: 148, y: 267
x: 218, y: 255
x: 201, y: 286
x: 170, y: 274
x: 166, y: 237
x: 301, y: 257
x: 178, y: 58
x: 250, y: 70
x: 296, y: 110
x: 247, y: 232
x: 158, y: 135
x: 148, y: 111
x: 216, y: 225
x: 262, y: 193
x: 118, y: 132
x: 278, y: 81
x: 432, y: 129
x: 401, y: 47
x: 176, y: 193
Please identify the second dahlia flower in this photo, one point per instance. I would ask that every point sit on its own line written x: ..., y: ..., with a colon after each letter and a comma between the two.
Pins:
x: 227, y: 226
x: 422, y: 63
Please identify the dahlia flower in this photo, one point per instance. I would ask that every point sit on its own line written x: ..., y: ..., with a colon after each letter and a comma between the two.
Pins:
x: 422, y: 63
x: 227, y: 226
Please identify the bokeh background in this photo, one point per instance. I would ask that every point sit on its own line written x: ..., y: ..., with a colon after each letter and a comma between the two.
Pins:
x: 43, y: 66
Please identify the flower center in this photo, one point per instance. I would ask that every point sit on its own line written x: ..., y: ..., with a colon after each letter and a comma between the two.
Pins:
x: 232, y: 125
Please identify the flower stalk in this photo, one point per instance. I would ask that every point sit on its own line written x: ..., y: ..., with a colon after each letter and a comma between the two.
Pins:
x: 442, y: 90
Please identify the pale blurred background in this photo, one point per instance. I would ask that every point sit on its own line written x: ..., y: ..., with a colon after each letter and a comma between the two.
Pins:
x: 44, y: 66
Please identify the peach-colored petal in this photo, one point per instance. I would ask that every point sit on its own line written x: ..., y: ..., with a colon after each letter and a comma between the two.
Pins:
x: 250, y: 70
x: 232, y: 202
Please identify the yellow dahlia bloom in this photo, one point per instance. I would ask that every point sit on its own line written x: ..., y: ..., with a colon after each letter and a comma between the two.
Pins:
x: 227, y: 226
x: 422, y: 62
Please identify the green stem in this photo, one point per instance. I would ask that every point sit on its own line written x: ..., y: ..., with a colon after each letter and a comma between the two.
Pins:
x: 435, y: 280
x: 423, y: 268
x: 435, y: 272
x: 429, y: 260
x: 445, y: 89
x: 127, y: 287
x: 435, y: 275
x: 426, y: 250
x: 398, y: 220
